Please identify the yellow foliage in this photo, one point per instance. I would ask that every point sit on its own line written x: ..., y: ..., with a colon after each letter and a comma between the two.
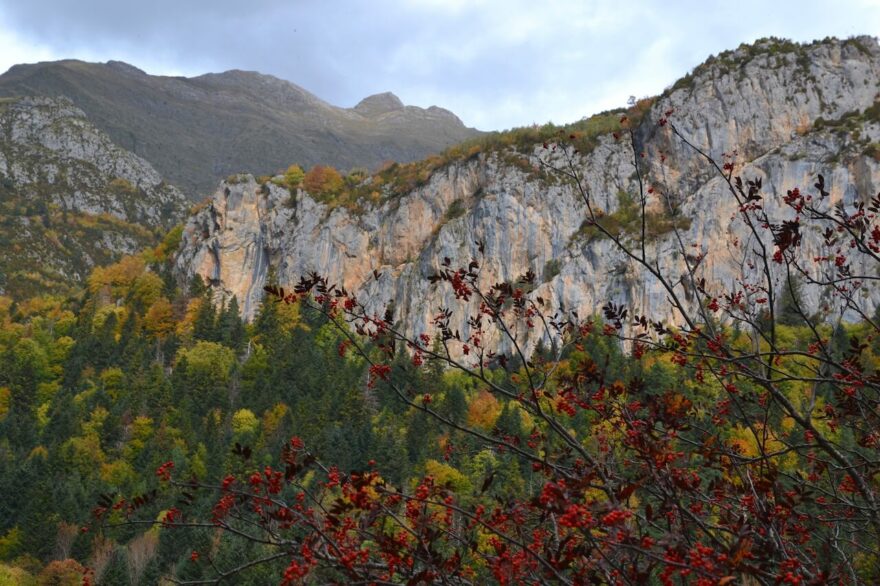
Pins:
x: 12, y: 576
x: 168, y: 246
x: 96, y: 421
x: 10, y: 542
x: 289, y: 316
x: 46, y: 305
x: 118, y: 473
x: 197, y: 465
x: 483, y: 410
x: 59, y: 351
x: 746, y: 442
x: 38, y: 452
x: 147, y: 288
x: 524, y: 416
x: 273, y: 417
x: 185, y: 326
x: 115, y: 281
x: 84, y: 452
x: 105, y: 312
x: 121, y: 185
x: 208, y: 361
x: 142, y: 428
x: 5, y: 399
x: 112, y: 379
x: 43, y: 415
x: 293, y: 177
x: 159, y: 320
x: 244, y: 422
x: 5, y: 306
x: 446, y: 475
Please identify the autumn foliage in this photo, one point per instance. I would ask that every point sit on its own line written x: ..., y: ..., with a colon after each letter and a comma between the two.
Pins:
x: 323, y: 182
x: 726, y: 448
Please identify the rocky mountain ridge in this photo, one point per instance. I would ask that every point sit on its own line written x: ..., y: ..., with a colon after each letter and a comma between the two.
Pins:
x: 789, y: 112
x: 198, y: 130
x: 70, y: 199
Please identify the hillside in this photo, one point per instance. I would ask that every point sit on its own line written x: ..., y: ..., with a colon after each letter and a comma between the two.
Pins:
x: 790, y: 111
x: 149, y: 435
x: 70, y: 199
x: 198, y: 130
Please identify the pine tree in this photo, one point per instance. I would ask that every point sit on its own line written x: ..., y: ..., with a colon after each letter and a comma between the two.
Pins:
x: 205, y: 323
x: 197, y: 287
x: 230, y: 326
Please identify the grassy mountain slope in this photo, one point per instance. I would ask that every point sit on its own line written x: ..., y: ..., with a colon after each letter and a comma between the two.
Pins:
x: 198, y: 130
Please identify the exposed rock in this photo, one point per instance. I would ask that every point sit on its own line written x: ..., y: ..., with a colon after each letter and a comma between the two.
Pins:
x: 71, y: 198
x: 198, y: 130
x: 378, y: 104
x: 762, y: 102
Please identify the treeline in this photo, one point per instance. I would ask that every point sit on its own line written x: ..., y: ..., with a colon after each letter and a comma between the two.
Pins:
x: 98, y: 391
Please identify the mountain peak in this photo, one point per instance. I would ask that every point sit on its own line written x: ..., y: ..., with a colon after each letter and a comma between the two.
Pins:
x: 243, y: 121
x: 379, y: 104
x: 125, y: 67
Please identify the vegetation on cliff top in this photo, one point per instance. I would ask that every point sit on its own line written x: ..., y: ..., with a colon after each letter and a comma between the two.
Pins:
x: 359, y: 188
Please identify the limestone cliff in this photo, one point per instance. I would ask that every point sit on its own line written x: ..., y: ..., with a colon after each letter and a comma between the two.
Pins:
x: 789, y: 111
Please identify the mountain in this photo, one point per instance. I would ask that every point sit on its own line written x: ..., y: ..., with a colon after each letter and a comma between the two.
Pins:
x: 198, y: 130
x: 789, y: 112
x: 71, y: 199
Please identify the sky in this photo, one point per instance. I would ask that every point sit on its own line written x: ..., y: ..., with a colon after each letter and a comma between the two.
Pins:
x: 496, y: 63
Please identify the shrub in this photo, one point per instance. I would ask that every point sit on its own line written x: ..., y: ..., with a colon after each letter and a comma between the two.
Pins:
x: 551, y: 269
x: 323, y: 183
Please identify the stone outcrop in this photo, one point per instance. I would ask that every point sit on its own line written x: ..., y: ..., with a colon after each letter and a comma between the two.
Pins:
x: 49, y: 147
x: 72, y: 199
x: 779, y: 106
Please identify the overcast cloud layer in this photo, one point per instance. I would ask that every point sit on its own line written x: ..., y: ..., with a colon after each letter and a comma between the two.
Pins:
x: 495, y: 63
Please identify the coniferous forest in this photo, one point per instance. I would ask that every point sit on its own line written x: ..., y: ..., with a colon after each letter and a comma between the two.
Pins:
x: 712, y: 418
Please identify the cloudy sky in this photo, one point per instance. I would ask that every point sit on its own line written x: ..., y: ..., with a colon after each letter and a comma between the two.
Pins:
x: 495, y: 63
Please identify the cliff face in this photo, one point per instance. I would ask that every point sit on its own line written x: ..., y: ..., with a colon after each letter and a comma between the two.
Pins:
x: 789, y: 111
x: 71, y: 198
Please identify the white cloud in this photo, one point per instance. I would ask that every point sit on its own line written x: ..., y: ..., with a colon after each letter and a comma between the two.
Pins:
x: 14, y: 50
x: 495, y: 63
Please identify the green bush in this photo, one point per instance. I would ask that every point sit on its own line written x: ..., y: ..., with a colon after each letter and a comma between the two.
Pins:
x: 455, y: 210
x: 551, y: 269
x: 626, y: 222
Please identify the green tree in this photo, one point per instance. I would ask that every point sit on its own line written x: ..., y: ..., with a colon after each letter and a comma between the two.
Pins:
x: 205, y: 324
x: 293, y: 177
x: 231, y: 330
x: 208, y: 368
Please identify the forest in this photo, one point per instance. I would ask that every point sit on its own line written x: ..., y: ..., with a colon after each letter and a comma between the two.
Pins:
x: 148, y: 435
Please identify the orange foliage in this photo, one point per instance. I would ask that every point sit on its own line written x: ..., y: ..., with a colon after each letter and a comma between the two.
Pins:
x: 323, y: 181
x: 67, y: 572
x: 116, y: 279
x: 483, y: 410
x: 159, y: 320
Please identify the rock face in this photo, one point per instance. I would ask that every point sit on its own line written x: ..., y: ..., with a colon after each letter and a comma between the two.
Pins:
x: 71, y: 198
x: 789, y: 111
x: 198, y: 130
